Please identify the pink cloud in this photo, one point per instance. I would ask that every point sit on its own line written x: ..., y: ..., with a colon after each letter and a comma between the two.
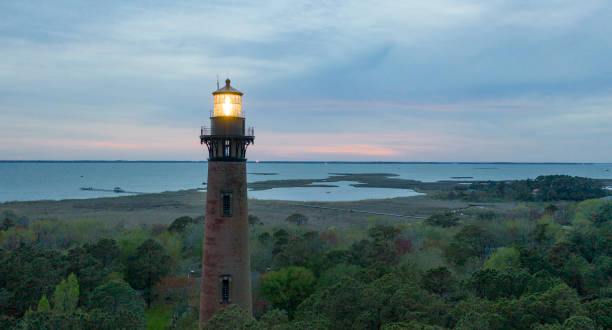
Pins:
x: 350, y: 146
x: 360, y: 149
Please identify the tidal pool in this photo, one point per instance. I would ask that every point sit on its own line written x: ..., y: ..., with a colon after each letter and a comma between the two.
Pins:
x: 344, y: 192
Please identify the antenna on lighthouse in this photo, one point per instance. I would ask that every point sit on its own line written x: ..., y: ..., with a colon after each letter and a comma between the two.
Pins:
x: 217, y: 81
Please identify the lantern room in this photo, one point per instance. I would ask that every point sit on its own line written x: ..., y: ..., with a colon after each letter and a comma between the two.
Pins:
x: 227, y: 101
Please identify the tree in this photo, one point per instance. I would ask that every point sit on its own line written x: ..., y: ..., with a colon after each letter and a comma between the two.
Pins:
x: 543, y: 188
x: 473, y: 321
x: 600, y: 311
x: 179, y: 224
x: 541, y: 234
x: 565, y: 187
x: 175, y: 289
x: 46, y: 318
x: 66, y: 296
x: 334, y: 273
x: 287, y: 287
x: 383, y: 233
x: 446, y: 219
x: 27, y: 274
x: 403, y: 245
x: 492, y: 284
x: 6, y: 224
x: 7, y: 322
x: 437, y: 280
x: 551, y: 209
x: 354, y: 304
x: 412, y: 325
x: 400, y: 300
x: 578, y: 323
x: 43, y: 304
x: 532, y: 260
x: 486, y: 309
x: 105, y: 251
x: 281, y: 237
x: 264, y: 237
x: 486, y: 283
x: 340, y: 304
x: 297, y: 218
x: 541, y: 282
x: 115, y: 305
x: 380, y: 249
x: 504, y: 259
x: 554, y: 305
x: 273, y: 318
x: 88, y: 269
x: 330, y: 237
x: 602, y: 215
x: 50, y: 320
x: 304, y: 250
x: 230, y: 318
x: 472, y: 241
x: 147, y: 267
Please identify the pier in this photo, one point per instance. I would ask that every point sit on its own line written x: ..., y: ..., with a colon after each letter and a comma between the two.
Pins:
x: 116, y: 190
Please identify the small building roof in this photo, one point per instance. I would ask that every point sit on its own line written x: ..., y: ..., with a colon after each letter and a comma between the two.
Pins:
x: 227, y: 89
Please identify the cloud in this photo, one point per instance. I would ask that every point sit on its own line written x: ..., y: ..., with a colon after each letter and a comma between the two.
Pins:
x: 487, y: 80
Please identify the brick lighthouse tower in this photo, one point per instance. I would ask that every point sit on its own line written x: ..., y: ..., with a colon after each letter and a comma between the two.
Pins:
x: 226, y: 273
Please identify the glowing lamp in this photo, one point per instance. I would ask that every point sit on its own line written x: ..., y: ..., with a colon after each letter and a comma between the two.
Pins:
x: 227, y: 101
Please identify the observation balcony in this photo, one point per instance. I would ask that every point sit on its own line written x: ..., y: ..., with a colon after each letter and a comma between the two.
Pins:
x: 207, y: 131
x: 208, y: 134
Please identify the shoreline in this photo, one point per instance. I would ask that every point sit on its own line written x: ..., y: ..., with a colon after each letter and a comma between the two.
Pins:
x: 164, y: 207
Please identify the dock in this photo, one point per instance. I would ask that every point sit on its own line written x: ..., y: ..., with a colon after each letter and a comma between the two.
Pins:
x: 117, y: 191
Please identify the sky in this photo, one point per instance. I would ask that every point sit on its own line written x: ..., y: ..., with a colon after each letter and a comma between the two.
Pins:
x: 436, y: 80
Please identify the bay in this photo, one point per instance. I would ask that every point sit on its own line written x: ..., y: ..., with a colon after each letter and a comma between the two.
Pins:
x: 24, y: 181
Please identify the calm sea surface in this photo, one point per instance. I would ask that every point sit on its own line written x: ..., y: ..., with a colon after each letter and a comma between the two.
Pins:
x: 62, y: 180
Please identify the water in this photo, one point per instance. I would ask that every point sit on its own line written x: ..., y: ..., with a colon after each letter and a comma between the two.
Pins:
x: 62, y: 180
x: 343, y: 193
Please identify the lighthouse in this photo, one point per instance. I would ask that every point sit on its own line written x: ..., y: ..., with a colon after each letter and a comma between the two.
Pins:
x: 226, y: 271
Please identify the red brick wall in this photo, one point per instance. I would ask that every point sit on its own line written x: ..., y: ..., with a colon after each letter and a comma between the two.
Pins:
x: 226, y: 239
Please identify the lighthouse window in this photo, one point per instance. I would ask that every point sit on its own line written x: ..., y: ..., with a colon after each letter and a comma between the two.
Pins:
x: 225, y: 288
x: 226, y: 199
x: 227, y: 149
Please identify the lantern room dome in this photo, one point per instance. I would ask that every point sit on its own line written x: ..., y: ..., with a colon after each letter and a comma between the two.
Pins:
x: 227, y: 101
x: 227, y: 89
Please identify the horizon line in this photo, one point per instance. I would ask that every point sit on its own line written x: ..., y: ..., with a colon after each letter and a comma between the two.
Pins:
x: 300, y: 161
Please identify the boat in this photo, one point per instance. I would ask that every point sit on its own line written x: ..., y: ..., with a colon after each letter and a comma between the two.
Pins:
x: 118, y: 190
x: 86, y: 188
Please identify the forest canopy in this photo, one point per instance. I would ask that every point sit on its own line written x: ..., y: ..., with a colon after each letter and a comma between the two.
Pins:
x: 542, y: 189
x: 544, y: 265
